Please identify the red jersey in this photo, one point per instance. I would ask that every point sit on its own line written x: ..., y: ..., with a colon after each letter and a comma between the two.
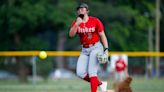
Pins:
x: 120, y: 65
x: 88, y: 32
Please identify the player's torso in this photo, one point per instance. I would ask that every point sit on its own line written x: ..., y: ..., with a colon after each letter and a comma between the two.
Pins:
x: 120, y: 65
x: 88, y: 32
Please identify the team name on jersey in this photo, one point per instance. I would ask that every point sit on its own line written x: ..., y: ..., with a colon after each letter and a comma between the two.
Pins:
x: 85, y: 30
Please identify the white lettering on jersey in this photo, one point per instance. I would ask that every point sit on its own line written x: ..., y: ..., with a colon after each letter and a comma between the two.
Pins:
x: 86, y: 30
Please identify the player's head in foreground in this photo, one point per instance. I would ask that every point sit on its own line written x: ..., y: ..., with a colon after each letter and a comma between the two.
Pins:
x: 82, y: 10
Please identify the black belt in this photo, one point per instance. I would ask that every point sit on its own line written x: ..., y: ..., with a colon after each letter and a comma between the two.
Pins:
x: 88, y: 45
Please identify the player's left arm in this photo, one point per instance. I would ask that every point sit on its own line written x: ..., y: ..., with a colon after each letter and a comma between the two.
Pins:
x: 104, y: 41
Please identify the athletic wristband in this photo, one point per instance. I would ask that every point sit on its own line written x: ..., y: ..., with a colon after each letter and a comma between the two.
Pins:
x: 105, y: 49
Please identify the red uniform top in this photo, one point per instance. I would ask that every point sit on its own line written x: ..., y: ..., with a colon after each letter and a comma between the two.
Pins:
x: 120, y: 65
x: 88, y: 32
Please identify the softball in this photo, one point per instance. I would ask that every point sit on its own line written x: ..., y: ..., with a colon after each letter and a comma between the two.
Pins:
x: 42, y: 55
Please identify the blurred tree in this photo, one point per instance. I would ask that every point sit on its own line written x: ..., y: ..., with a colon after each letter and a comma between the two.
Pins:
x: 63, y: 15
x: 126, y: 22
x: 22, y: 22
x: 162, y: 27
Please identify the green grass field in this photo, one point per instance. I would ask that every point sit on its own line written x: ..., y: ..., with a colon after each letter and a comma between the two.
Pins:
x: 77, y: 85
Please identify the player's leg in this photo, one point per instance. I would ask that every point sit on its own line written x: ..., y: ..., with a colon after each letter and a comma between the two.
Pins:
x: 116, y: 81
x: 93, y: 68
x: 82, y: 67
x: 122, y: 75
x: 118, y: 76
x: 93, y: 61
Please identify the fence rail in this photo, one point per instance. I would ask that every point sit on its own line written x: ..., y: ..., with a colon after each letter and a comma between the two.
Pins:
x: 74, y: 53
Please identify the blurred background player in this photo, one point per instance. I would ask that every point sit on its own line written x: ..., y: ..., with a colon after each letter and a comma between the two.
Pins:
x: 121, y: 71
x: 90, y: 30
x: 119, y: 66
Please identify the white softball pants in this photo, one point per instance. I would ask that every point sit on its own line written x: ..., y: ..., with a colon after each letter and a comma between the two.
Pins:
x: 120, y: 76
x: 87, y: 62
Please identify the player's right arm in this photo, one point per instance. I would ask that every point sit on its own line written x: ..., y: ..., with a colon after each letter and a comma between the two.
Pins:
x: 74, y: 27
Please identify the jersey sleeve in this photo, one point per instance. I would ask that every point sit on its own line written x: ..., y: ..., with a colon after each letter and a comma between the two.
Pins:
x: 99, y: 25
x: 73, y: 23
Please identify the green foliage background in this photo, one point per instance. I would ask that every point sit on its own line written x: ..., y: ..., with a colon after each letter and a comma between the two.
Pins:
x: 44, y: 25
x: 24, y: 24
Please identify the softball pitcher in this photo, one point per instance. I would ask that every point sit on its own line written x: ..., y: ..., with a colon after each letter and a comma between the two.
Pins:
x: 90, y: 30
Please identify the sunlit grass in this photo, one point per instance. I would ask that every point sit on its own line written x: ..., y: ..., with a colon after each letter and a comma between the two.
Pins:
x: 77, y: 85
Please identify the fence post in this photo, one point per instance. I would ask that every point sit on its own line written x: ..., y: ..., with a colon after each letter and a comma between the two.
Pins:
x: 34, y: 74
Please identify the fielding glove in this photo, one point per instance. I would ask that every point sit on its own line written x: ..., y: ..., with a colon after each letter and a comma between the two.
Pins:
x: 102, y: 58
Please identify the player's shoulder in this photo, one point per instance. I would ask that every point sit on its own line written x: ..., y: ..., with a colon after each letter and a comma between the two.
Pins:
x: 93, y: 18
x: 73, y: 23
